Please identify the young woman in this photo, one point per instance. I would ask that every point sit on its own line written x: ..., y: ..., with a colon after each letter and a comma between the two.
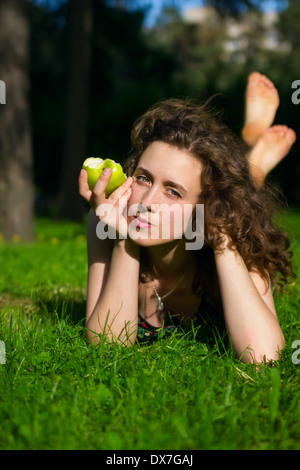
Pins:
x: 144, y: 281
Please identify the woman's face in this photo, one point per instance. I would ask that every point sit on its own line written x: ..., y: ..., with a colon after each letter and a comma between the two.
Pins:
x: 165, y: 191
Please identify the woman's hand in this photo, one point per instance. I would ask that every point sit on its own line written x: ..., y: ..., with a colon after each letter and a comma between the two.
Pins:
x: 109, y: 210
x: 217, y: 238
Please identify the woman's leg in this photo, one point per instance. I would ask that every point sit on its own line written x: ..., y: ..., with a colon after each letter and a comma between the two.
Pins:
x: 272, y: 146
x: 262, y: 101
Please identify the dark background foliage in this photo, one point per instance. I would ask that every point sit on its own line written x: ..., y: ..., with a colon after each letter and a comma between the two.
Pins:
x: 131, y: 65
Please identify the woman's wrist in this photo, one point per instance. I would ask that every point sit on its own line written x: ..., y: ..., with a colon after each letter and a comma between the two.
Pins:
x: 225, y: 244
x: 127, y: 245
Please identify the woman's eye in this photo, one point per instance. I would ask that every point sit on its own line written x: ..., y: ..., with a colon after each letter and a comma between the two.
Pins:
x: 142, y: 178
x: 171, y: 191
x: 175, y: 193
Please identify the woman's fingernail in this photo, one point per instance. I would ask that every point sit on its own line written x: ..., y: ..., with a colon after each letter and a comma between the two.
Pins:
x: 106, y: 171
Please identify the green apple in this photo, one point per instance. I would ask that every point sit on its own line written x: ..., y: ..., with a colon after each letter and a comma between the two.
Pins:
x: 94, y: 167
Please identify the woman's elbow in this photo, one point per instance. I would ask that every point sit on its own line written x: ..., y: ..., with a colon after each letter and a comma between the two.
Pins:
x: 264, y: 353
x: 126, y: 339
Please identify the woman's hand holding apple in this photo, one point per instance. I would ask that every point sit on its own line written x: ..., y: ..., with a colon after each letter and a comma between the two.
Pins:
x: 95, y: 166
x: 109, y: 210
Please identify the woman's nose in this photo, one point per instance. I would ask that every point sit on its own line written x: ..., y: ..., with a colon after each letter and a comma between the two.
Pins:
x: 150, y: 200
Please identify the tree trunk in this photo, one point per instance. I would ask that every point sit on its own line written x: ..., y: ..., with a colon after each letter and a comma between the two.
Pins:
x: 71, y: 206
x: 16, y: 179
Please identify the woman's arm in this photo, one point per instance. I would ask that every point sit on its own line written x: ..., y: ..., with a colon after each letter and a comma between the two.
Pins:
x: 112, y: 291
x: 249, y: 309
x: 99, y: 254
x: 113, y: 265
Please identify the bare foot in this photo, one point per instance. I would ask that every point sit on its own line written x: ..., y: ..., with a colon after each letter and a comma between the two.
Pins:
x: 273, y: 145
x: 262, y: 101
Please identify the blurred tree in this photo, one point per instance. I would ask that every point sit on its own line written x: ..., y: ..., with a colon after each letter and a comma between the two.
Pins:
x: 127, y: 74
x: 223, y: 7
x: 131, y: 67
x: 289, y: 23
x: 48, y: 75
x: 198, y: 50
x: 70, y: 204
x: 235, y: 7
x: 205, y: 69
x: 16, y: 185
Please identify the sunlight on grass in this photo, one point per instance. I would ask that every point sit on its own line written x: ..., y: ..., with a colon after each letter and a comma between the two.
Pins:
x: 186, y: 391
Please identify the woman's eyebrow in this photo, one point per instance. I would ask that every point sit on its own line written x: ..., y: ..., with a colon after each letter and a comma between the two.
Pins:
x: 167, y: 183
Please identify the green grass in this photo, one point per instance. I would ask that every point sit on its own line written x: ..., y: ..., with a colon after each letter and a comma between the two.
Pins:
x: 59, y: 392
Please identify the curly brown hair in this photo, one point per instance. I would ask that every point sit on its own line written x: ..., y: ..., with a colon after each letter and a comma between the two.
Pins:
x: 233, y: 204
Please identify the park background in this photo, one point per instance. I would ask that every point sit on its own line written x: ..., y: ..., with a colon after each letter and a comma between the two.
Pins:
x: 77, y: 75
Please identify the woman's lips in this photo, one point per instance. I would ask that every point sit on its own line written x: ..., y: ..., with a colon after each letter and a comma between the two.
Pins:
x: 141, y: 223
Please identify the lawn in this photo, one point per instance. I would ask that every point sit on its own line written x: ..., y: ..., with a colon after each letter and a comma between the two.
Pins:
x: 180, y: 393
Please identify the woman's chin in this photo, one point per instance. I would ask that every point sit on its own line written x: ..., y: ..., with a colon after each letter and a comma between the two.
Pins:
x: 146, y: 239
